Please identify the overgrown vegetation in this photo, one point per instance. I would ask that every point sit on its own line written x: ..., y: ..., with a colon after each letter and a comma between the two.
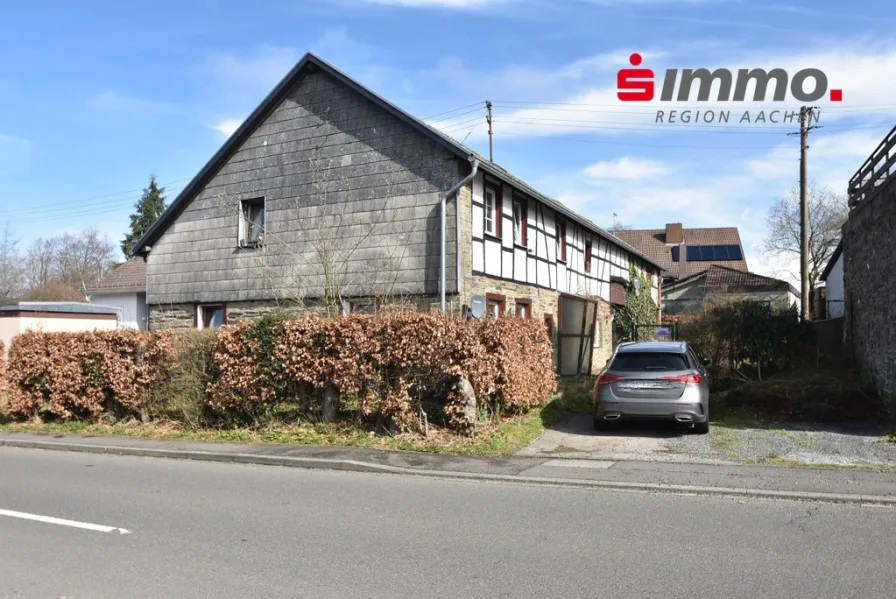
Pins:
x: 802, y: 395
x: 418, y: 374
x: 747, y: 336
x: 639, y: 311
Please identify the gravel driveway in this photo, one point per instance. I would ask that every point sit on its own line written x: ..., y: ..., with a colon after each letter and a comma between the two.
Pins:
x: 856, y: 444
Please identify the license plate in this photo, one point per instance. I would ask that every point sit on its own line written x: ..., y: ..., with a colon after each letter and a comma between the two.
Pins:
x: 643, y: 385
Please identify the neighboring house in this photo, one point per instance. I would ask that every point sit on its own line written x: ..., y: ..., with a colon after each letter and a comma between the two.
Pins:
x: 721, y: 284
x: 329, y: 191
x: 53, y: 317
x: 124, y: 288
x: 685, y: 252
x: 869, y: 252
x: 832, y: 276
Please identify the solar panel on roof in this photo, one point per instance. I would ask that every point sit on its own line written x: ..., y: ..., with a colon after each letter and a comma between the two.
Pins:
x: 706, y: 253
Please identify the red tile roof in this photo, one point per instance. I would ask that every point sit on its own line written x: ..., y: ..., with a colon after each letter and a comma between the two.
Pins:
x: 720, y: 279
x: 652, y: 243
x: 127, y: 276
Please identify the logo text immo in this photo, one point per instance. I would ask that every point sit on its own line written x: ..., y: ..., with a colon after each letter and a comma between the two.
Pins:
x: 806, y: 85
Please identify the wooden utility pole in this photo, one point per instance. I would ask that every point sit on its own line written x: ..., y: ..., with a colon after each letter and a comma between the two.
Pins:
x: 806, y: 114
x: 488, y: 118
x: 805, y: 111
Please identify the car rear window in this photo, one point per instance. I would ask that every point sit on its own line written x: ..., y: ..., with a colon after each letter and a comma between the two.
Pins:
x: 633, y: 361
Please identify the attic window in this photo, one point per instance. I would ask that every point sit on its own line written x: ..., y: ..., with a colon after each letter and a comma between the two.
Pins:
x: 251, y: 223
x: 588, y: 257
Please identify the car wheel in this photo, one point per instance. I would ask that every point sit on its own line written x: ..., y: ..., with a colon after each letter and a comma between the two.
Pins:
x: 701, y: 428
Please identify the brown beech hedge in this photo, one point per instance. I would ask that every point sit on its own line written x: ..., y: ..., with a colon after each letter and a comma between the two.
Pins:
x: 399, y: 370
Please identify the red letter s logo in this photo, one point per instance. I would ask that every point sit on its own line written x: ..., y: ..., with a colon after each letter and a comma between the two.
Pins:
x: 634, y: 85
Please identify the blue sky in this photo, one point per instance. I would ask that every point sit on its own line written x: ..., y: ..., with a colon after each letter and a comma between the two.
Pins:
x: 95, y: 95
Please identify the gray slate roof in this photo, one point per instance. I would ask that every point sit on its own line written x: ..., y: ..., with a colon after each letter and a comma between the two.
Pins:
x: 311, y: 62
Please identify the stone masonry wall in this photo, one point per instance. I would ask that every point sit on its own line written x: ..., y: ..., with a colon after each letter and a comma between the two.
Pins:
x: 869, y: 252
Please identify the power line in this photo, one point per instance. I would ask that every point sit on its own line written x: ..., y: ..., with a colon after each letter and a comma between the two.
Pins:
x: 456, y: 126
x: 687, y: 106
x: 75, y: 209
x: 426, y: 118
x: 645, y: 145
x: 455, y: 116
x: 567, y: 108
x: 661, y: 127
x: 88, y: 201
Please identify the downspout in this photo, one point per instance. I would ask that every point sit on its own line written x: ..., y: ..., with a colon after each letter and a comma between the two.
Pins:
x: 443, y: 197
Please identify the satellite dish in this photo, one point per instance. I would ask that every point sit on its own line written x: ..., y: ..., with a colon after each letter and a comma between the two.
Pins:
x: 477, y: 306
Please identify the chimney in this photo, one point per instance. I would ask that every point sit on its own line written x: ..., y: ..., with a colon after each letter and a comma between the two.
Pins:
x: 682, y: 260
x: 674, y: 234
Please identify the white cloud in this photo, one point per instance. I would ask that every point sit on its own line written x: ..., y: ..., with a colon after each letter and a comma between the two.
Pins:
x: 583, y: 98
x: 249, y: 74
x: 625, y: 168
x: 227, y: 127
x: 113, y: 101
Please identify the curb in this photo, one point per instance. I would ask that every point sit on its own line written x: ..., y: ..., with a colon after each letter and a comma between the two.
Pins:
x: 359, y: 466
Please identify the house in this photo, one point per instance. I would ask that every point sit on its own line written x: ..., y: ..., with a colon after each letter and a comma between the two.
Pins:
x: 721, y: 284
x: 54, y: 317
x: 124, y: 288
x: 868, y: 254
x: 330, y: 195
x: 686, y: 252
x: 832, y: 276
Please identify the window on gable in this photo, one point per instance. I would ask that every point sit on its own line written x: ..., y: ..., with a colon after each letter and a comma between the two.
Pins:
x: 519, y: 222
x: 588, y: 257
x: 492, y: 202
x: 252, y: 222
x: 561, y: 241
x: 210, y: 316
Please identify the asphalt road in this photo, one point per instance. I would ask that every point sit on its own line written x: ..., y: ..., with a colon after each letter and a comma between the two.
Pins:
x: 201, y: 529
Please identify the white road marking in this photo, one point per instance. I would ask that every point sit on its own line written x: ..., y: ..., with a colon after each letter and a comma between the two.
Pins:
x: 62, y: 522
x: 567, y: 463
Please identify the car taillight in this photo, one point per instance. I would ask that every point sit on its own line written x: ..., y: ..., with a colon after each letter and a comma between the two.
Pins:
x: 607, y: 378
x: 687, y: 379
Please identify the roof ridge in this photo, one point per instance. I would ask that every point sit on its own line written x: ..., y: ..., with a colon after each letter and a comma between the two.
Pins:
x: 275, y: 96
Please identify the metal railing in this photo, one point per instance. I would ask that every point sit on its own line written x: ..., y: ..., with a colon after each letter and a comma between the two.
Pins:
x: 874, y: 172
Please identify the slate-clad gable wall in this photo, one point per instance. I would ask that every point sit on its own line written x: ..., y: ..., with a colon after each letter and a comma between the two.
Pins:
x: 324, y: 158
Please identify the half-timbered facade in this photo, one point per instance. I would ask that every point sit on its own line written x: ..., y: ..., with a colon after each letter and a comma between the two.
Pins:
x: 323, y: 158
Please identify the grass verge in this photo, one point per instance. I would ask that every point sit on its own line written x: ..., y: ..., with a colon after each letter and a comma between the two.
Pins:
x: 493, y: 439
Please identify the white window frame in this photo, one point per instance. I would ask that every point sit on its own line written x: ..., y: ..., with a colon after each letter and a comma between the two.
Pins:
x: 517, y: 222
x: 245, y: 239
x: 490, y: 207
x: 200, y: 315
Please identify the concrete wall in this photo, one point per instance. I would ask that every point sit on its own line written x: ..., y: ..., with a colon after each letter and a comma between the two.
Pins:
x: 330, y: 165
x: 132, y: 305
x: 869, y: 252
